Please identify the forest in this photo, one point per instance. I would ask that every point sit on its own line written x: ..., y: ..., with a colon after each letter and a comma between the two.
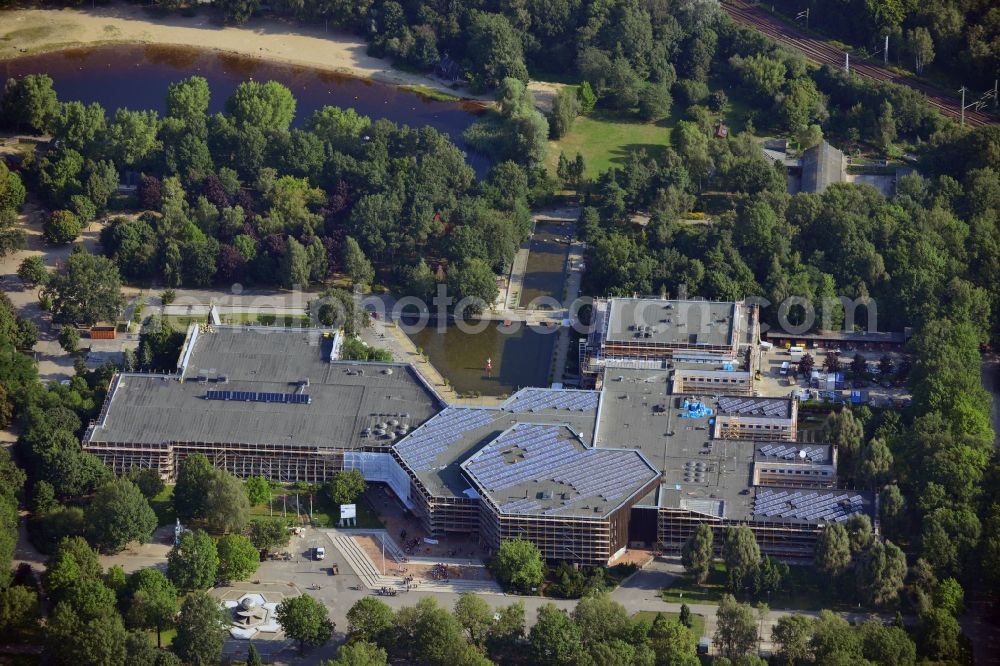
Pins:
x: 561, y: 38
x: 242, y: 196
x: 961, y: 39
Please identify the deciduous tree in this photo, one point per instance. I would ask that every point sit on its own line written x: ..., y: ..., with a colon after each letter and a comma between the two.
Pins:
x: 356, y: 264
x: 495, y: 49
x: 61, y: 227
x: 238, y: 559
x: 518, y: 565
x: 30, y: 102
x: 193, y: 563
x: 791, y: 634
x: 266, y: 534
x: 85, y: 291
x: 346, y: 487
x: 741, y: 554
x: 258, y: 490
x: 371, y: 619
x: 201, y: 630
x: 475, y: 616
x: 736, y: 627
x: 263, y: 105
x: 227, y: 508
x: 194, y: 475
x: 118, y: 515
x: 151, y: 601
x: 554, y: 639
x: 881, y: 572
x: 833, y: 550
x: 305, y: 620
x: 473, y: 279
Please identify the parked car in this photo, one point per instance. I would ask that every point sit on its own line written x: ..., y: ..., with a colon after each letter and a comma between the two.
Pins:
x: 319, y: 553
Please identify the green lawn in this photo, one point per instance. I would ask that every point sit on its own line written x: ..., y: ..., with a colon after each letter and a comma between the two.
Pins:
x: 697, y: 621
x: 735, y: 112
x: 266, y: 319
x: 327, y: 514
x: 605, y: 140
x: 804, y: 589
x: 163, y: 506
x: 181, y: 322
x: 166, y: 636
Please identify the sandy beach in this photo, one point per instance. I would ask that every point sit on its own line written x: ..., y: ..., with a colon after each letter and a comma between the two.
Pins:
x: 28, y: 31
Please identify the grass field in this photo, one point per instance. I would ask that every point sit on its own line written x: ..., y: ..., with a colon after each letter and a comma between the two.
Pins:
x: 804, y: 589
x: 697, y: 621
x: 605, y: 141
x: 327, y: 514
x: 163, y: 506
x: 166, y: 636
x: 181, y: 322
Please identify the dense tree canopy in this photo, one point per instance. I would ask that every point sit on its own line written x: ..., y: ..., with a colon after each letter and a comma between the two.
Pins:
x: 201, y: 630
x: 193, y: 563
x: 151, y: 601
x: 119, y: 514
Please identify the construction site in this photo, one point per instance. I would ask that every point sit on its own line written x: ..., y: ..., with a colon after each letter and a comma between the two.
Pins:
x: 584, y: 474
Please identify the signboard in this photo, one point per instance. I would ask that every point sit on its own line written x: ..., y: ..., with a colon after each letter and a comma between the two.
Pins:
x: 348, y: 511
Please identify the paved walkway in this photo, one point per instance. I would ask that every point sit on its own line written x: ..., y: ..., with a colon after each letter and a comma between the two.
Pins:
x: 515, y: 282
x: 54, y: 364
x: 574, y: 276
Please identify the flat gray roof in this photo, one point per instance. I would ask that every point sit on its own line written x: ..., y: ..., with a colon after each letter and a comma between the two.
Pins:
x: 707, y: 323
x: 344, y: 397
x: 434, y: 451
x: 639, y: 412
x: 545, y: 469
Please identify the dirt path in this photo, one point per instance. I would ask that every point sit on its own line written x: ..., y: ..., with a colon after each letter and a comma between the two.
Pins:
x: 26, y: 31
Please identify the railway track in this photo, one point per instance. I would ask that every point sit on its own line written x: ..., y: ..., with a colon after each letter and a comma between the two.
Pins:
x: 822, y: 53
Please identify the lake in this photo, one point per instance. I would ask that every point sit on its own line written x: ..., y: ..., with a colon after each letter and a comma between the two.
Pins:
x: 136, y: 77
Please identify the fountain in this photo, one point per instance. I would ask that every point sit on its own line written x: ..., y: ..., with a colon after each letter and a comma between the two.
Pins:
x: 252, y: 614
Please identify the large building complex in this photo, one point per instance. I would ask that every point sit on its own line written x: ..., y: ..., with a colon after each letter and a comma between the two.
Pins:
x: 708, y: 339
x: 581, y: 473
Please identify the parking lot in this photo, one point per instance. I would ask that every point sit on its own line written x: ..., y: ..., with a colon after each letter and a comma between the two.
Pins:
x: 772, y: 383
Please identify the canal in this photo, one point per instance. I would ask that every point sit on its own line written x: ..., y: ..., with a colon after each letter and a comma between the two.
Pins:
x: 545, y: 272
x: 521, y: 356
x: 137, y: 76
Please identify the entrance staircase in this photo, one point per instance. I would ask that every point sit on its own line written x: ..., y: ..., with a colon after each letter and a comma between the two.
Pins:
x: 372, y: 577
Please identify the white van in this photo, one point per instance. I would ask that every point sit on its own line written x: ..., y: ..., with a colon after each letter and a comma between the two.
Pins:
x: 796, y: 350
x: 784, y: 368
